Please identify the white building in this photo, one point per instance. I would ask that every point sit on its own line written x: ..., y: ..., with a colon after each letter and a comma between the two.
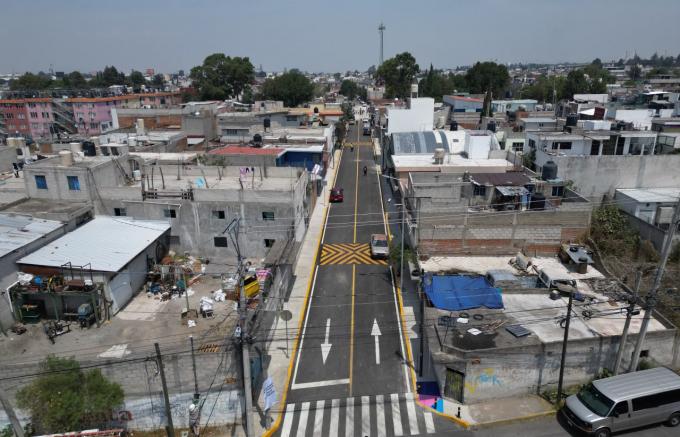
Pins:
x: 417, y: 116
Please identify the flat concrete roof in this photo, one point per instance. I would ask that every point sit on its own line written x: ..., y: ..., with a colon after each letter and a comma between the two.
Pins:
x: 651, y: 195
x: 419, y: 161
x: 16, y: 231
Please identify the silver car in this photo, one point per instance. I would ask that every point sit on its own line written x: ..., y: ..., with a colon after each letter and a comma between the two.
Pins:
x: 379, y: 246
x: 625, y: 401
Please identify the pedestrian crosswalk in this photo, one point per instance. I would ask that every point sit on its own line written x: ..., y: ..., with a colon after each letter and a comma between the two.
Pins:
x: 380, y: 416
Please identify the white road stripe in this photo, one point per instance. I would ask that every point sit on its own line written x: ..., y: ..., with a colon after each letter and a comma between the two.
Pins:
x: 429, y: 423
x: 407, y: 385
x: 349, y: 415
x: 301, y: 385
x: 288, y: 420
x: 396, y: 415
x: 302, y: 425
x: 380, y: 414
x: 412, y: 418
x: 365, y: 416
x: 335, y: 414
x: 318, y: 416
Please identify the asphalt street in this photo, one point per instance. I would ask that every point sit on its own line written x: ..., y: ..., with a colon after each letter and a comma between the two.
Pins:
x: 349, y: 375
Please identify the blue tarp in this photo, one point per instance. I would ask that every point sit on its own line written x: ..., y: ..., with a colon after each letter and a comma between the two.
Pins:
x: 456, y: 293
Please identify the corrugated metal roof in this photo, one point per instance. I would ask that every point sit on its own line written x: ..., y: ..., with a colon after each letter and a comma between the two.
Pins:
x: 419, y: 142
x: 651, y: 195
x: 17, y: 231
x: 107, y: 243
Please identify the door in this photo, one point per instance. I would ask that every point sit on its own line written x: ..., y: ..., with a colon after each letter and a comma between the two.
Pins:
x: 621, y: 417
x: 455, y: 384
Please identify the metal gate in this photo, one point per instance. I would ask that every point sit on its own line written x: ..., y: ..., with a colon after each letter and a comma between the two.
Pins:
x: 455, y: 384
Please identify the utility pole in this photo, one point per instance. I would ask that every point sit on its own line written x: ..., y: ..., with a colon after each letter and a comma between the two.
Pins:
x: 629, y: 314
x: 422, y: 323
x: 169, y: 428
x: 564, y: 344
x: 9, y: 410
x: 193, y: 363
x: 652, y: 296
x: 381, y: 30
x: 243, y: 338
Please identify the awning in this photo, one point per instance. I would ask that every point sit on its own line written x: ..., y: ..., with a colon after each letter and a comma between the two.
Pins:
x: 458, y: 292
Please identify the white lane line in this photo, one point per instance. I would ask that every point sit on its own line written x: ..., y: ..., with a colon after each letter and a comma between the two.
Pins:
x: 396, y: 415
x: 302, y: 426
x: 288, y: 420
x: 412, y: 418
x: 304, y: 327
x: 349, y: 416
x: 335, y: 415
x: 380, y: 414
x: 318, y: 416
x: 365, y: 416
x: 407, y: 385
x: 429, y: 422
x: 301, y: 385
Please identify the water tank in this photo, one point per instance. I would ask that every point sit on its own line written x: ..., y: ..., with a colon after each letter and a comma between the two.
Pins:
x: 454, y: 125
x: 267, y: 123
x: 137, y: 175
x: 572, y: 120
x: 75, y: 147
x: 140, y: 127
x: 257, y: 139
x: 439, y: 154
x: 491, y: 125
x: 66, y: 158
x: 537, y: 201
x: 549, y: 171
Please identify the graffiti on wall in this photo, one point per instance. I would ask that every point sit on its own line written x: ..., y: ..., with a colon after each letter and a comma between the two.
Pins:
x: 486, y: 378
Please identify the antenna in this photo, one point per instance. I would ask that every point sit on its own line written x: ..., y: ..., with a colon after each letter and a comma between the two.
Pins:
x: 381, y: 30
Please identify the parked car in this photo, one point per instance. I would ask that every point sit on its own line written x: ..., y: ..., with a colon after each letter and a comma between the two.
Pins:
x: 625, y: 401
x: 337, y: 195
x: 379, y: 246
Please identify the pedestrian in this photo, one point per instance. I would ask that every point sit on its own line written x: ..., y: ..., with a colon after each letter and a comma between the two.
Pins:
x: 365, y: 170
x: 194, y: 420
x: 351, y: 147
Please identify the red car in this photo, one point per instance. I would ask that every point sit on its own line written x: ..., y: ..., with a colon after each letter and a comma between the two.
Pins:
x: 337, y: 195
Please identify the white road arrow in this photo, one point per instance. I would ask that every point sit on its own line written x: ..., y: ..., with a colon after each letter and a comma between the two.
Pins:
x: 326, y: 346
x: 375, y: 332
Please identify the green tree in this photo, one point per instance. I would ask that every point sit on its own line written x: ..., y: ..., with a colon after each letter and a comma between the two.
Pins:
x: 136, y: 80
x: 65, y: 398
x: 487, y: 76
x: 293, y: 88
x: 436, y: 85
x: 351, y: 90
x: 158, y: 81
x: 635, y: 72
x: 222, y: 77
x: 111, y: 76
x: 30, y: 81
x: 75, y: 79
x: 397, y: 74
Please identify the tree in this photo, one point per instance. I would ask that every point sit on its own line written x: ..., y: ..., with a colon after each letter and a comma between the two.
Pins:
x: 111, y: 76
x: 371, y: 70
x: 487, y: 76
x: 436, y: 85
x: 635, y: 72
x: 351, y: 90
x: 30, y: 81
x: 222, y: 77
x: 397, y: 74
x: 136, y: 80
x: 158, y: 81
x: 75, y: 79
x: 64, y: 398
x: 293, y: 88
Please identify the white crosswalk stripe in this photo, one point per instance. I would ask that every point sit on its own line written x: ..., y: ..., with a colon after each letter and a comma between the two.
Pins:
x: 381, y: 416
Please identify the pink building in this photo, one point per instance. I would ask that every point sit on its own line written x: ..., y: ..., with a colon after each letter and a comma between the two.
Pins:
x: 34, y: 118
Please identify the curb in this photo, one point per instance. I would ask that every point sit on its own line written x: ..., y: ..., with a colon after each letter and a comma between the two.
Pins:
x: 513, y: 419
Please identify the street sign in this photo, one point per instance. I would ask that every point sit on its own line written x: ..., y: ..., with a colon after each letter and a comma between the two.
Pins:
x: 269, y: 394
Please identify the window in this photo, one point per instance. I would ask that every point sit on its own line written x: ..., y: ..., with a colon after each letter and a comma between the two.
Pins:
x: 220, y: 241
x: 532, y: 144
x: 269, y: 242
x: 119, y: 212
x: 268, y: 215
x: 94, y: 125
x: 21, y: 116
x: 170, y: 213
x: 174, y: 240
x: 480, y: 190
x: 218, y: 214
x: 517, y: 146
x: 561, y: 145
x: 229, y: 131
x: 34, y: 115
x: 291, y: 118
x: 620, y: 409
x: 40, y: 182
x: 657, y: 400
x: 73, y: 183
x: 558, y: 191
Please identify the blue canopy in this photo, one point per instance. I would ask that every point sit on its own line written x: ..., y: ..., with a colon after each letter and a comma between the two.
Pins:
x: 456, y: 293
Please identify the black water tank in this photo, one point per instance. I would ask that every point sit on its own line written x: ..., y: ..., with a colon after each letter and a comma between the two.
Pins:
x: 537, y: 201
x: 572, y: 119
x: 491, y: 125
x: 549, y: 171
x: 257, y: 139
x: 267, y: 123
x: 89, y: 148
x: 454, y: 125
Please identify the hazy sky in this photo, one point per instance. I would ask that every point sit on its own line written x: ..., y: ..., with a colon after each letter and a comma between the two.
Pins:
x: 326, y: 35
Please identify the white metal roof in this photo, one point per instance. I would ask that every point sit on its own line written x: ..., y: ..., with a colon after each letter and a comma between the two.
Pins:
x: 17, y: 231
x: 651, y: 195
x: 107, y: 243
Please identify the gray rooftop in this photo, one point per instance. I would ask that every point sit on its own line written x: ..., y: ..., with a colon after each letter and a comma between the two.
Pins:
x: 17, y: 231
x: 418, y: 142
x: 107, y: 243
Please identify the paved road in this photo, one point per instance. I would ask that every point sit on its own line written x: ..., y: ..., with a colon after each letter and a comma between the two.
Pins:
x: 349, y: 376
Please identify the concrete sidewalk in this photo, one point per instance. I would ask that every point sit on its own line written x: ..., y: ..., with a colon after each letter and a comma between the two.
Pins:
x: 284, y: 344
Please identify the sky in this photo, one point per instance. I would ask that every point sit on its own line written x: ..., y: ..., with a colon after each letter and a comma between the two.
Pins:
x: 327, y: 36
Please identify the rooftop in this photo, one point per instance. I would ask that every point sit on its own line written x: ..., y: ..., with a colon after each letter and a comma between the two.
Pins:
x: 500, y: 179
x: 122, y: 238
x: 538, y: 120
x: 247, y: 150
x: 451, y: 163
x: 17, y: 231
x: 651, y: 195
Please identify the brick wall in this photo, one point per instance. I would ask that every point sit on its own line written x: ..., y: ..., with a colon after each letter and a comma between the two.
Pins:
x: 153, y: 122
